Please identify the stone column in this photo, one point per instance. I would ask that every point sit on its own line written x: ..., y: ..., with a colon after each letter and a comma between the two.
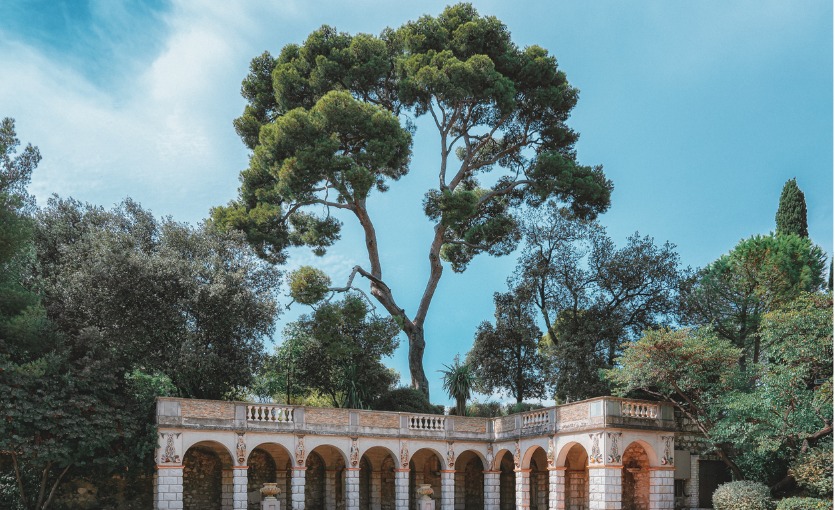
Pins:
x: 556, y: 488
x: 352, y: 488
x: 523, y: 489
x: 227, y: 489
x: 168, y: 488
x: 330, y: 488
x: 693, y: 483
x: 492, y: 490
x: 401, y: 489
x: 239, y: 491
x: 448, y: 489
x: 376, y: 498
x: 661, y: 488
x: 605, y: 487
x: 297, y: 486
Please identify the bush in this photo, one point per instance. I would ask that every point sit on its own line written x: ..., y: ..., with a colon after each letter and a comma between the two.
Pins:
x: 490, y: 409
x: 522, y: 407
x: 813, y: 471
x: 804, y: 504
x: 742, y: 495
x: 408, y: 400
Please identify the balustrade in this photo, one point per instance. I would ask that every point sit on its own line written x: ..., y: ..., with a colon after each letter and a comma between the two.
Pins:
x: 269, y: 413
x: 427, y: 422
x: 639, y: 410
x: 535, y: 419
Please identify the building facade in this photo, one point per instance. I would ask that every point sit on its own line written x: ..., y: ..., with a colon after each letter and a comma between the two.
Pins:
x: 603, y: 453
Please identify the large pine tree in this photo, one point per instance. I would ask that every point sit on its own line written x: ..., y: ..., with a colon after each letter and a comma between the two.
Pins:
x: 791, y: 213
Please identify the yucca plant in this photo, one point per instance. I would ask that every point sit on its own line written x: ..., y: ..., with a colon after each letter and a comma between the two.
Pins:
x: 458, y: 383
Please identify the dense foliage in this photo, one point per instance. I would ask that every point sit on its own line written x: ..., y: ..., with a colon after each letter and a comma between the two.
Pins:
x: 328, y: 125
x: 505, y: 357
x: 407, y: 400
x: 336, y: 351
x: 804, y: 504
x: 591, y: 295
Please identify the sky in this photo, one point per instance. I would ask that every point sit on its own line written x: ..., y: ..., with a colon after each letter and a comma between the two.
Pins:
x: 698, y: 111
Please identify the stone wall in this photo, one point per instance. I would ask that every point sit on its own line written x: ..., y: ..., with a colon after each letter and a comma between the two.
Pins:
x: 327, y: 416
x: 202, y: 472
x: 381, y: 420
x: 635, y: 485
x: 213, y: 409
x: 314, y: 485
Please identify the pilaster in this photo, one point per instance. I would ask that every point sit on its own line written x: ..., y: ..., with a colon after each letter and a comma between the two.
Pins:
x: 492, y: 494
x: 352, y: 488
x: 401, y: 489
x: 556, y: 488
x: 297, y: 486
x: 239, y: 484
x: 523, y: 489
x: 661, y: 488
x: 605, y: 487
x: 448, y: 489
x: 168, y: 488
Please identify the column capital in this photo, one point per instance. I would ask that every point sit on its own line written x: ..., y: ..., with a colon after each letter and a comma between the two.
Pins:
x: 492, y: 472
x: 401, y: 470
x: 447, y: 471
x: 557, y: 468
x: 522, y: 470
x: 351, y: 469
x: 662, y: 468
x: 240, y: 467
x: 303, y: 468
x: 170, y: 467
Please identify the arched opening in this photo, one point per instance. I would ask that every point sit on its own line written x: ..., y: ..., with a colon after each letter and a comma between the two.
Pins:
x: 538, y: 480
x: 507, y: 482
x: 377, y: 479
x: 425, y: 468
x: 268, y: 463
x: 576, y: 478
x: 324, y: 486
x: 635, y: 478
x: 207, y: 477
x: 469, y: 481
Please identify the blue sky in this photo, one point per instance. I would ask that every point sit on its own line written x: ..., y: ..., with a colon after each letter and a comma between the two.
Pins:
x: 698, y: 111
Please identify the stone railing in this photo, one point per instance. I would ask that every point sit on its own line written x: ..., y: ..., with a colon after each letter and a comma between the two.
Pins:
x: 589, y: 414
x: 427, y: 422
x: 640, y: 410
x: 535, y: 419
x: 269, y: 413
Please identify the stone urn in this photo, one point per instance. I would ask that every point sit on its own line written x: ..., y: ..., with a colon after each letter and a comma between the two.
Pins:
x: 425, y: 502
x: 270, y: 490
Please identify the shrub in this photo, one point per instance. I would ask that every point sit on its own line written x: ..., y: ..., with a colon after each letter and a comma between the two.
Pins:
x: 490, y: 409
x: 522, y: 407
x: 813, y: 471
x: 804, y: 504
x: 408, y: 400
x: 742, y: 495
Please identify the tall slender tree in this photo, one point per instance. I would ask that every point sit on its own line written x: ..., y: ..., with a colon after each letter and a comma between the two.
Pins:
x: 324, y: 121
x: 791, y: 213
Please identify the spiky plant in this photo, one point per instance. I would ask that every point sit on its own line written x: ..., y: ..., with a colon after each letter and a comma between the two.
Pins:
x: 458, y: 383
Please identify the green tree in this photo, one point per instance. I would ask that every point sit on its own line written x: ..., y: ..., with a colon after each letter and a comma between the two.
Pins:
x: 191, y: 303
x: 459, y: 382
x: 791, y: 213
x: 692, y: 369
x: 592, y: 295
x: 787, y: 409
x: 323, y: 120
x: 506, y: 357
x: 337, y: 350
x: 759, y: 275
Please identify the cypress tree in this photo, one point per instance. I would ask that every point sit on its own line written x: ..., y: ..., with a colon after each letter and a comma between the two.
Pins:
x: 791, y: 213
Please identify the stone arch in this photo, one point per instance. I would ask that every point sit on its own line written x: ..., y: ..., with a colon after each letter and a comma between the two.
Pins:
x: 425, y: 466
x: 507, y: 480
x: 497, y: 460
x: 537, y: 478
x: 469, y: 481
x: 207, y: 468
x: 324, y: 486
x: 635, y: 477
x: 376, y: 476
x: 562, y: 455
x: 575, y: 460
x: 269, y: 462
x: 652, y: 457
